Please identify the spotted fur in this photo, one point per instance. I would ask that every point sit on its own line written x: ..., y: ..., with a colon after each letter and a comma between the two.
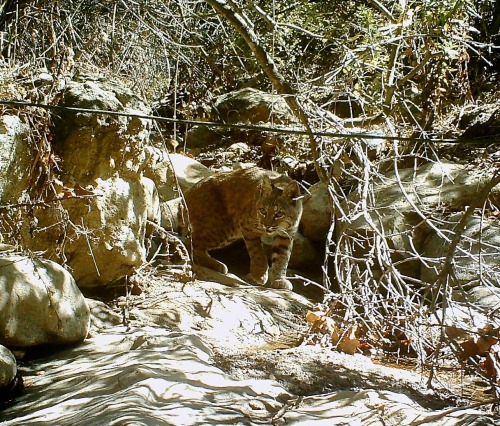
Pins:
x: 251, y: 204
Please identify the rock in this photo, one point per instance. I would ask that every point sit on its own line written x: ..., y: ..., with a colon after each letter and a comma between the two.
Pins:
x: 481, y: 239
x: 100, y: 234
x: 8, y: 367
x: 233, y: 314
x: 41, y: 303
x: 99, y: 146
x: 187, y: 170
x: 233, y: 153
x: 481, y: 122
x: 15, y: 159
x: 166, y: 170
x: 252, y: 106
x: 105, y: 239
x: 238, y: 148
x: 487, y: 298
x: 153, y: 212
x: 159, y: 170
x: 170, y: 214
x: 317, y: 213
x: 202, y: 136
x: 434, y: 187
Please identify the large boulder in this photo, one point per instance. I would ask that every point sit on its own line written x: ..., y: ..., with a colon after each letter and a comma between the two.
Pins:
x: 99, y: 227
x: 99, y: 145
x: 171, y: 172
x: 317, y: 213
x: 476, y: 257
x: 252, y: 106
x: 481, y: 121
x: 187, y: 170
x: 101, y: 239
x: 39, y: 303
x: 244, y: 106
x: 433, y: 188
x: 15, y: 159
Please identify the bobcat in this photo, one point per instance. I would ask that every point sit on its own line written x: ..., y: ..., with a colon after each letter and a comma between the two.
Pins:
x: 250, y: 204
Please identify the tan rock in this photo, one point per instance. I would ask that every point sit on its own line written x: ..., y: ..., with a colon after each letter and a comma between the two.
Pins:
x: 8, y: 367
x: 40, y: 304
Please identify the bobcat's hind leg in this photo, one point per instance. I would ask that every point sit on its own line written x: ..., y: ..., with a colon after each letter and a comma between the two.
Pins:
x: 201, y: 257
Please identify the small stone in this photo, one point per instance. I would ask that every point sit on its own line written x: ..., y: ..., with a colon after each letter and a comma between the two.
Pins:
x: 8, y: 369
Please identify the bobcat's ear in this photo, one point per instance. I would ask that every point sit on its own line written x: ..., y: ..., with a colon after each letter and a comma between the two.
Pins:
x: 292, y: 190
x: 265, y: 186
x: 266, y: 183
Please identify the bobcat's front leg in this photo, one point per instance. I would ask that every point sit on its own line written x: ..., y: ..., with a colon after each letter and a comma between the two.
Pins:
x: 258, y: 259
x: 201, y: 257
x: 282, y: 248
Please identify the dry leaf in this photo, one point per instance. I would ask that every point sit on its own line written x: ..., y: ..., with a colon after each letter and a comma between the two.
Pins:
x: 348, y: 342
x: 312, y: 317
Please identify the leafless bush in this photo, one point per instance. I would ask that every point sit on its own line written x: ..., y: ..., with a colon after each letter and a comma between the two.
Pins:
x: 374, y: 267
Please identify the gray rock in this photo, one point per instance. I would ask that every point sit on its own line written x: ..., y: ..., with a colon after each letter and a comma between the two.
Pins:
x: 101, y: 237
x: 317, y: 213
x: 477, y: 255
x: 8, y: 367
x: 15, y: 159
x: 187, y: 170
x: 433, y: 188
x: 252, y: 106
x: 481, y: 122
x: 41, y: 303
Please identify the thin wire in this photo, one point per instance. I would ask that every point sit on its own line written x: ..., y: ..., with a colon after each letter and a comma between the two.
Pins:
x: 334, y: 135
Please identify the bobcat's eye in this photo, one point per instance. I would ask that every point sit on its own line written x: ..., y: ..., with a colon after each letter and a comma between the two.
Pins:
x: 263, y: 212
x: 279, y: 215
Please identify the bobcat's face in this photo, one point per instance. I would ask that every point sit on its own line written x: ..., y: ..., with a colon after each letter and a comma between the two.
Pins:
x: 278, y: 208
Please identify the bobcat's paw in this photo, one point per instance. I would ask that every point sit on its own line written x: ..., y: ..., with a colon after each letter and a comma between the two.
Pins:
x: 262, y: 281
x: 282, y: 283
x: 220, y: 267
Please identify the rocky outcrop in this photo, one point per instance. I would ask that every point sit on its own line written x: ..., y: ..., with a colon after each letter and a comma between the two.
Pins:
x: 481, y: 121
x: 480, y: 239
x: 99, y: 227
x: 252, y: 106
x: 40, y: 303
x: 15, y: 159
x: 416, y: 212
